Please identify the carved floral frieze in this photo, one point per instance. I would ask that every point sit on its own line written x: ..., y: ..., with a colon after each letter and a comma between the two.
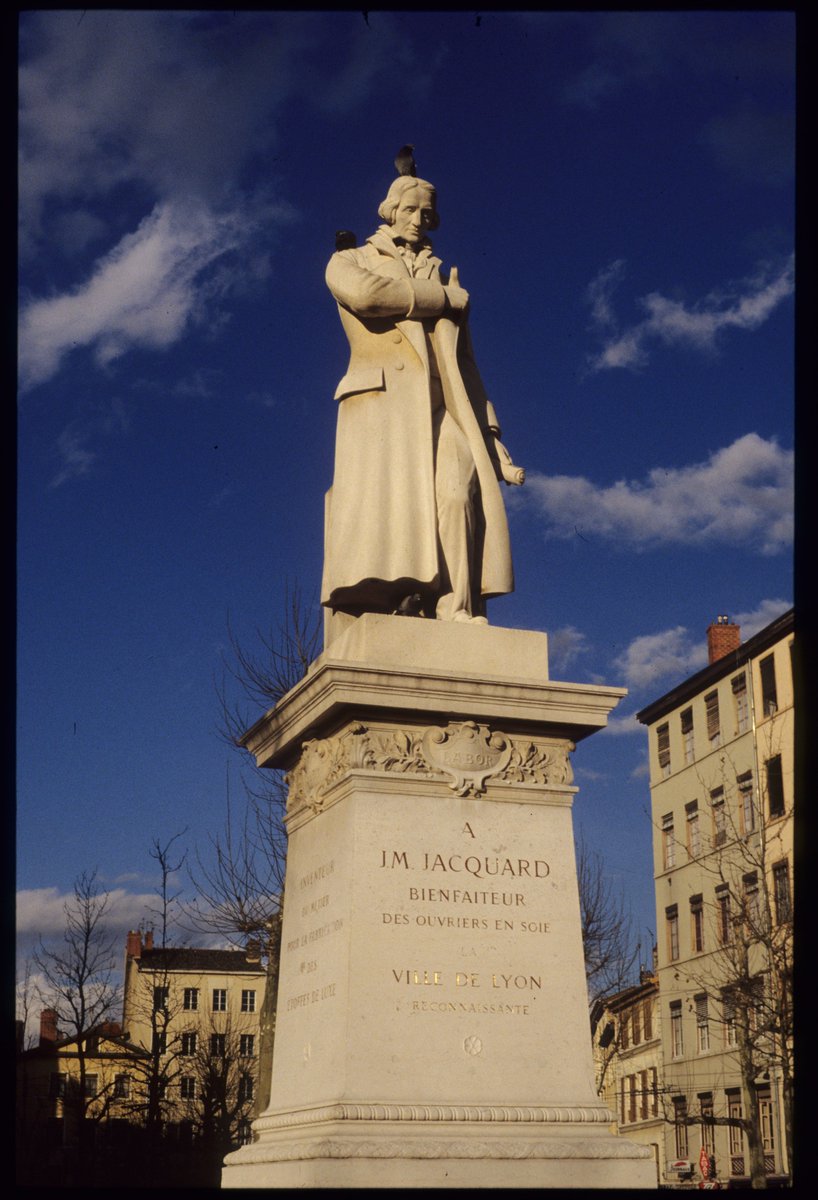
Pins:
x: 466, y: 754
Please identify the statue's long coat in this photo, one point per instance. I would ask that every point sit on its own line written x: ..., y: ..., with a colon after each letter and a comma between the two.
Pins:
x: 381, y: 523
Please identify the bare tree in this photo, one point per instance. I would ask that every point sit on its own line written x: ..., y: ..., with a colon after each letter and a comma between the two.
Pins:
x: 78, y: 984
x: 748, y: 974
x: 218, y: 1084
x: 153, y: 1005
x: 262, y: 676
x: 610, y: 947
x: 240, y: 893
x: 25, y: 1003
x: 240, y: 885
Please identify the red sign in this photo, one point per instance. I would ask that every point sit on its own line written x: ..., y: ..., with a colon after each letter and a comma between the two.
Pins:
x: 704, y: 1163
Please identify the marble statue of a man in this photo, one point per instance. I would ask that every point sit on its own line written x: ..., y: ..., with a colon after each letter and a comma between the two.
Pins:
x: 415, y: 508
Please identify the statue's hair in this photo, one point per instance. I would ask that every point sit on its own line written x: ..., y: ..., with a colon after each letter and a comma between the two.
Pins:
x: 402, y: 184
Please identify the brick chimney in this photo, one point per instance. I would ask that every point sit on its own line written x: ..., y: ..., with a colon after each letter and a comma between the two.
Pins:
x: 149, y: 940
x: 133, y: 948
x: 722, y: 638
x: 48, y: 1027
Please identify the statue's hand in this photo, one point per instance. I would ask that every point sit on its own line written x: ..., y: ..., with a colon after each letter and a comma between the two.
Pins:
x: 503, y: 466
x: 457, y: 298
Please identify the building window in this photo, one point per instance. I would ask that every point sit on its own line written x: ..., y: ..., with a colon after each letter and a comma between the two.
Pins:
x: 647, y: 1020
x: 122, y: 1087
x: 644, y: 1096
x: 245, y: 1132
x: 57, y: 1085
x: 218, y: 1044
x: 702, y: 1025
x: 723, y: 918
x: 654, y: 1092
x: 741, y: 703
x: 756, y: 1014
x: 668, y: 842
x: 719, y: 816
x: 245, y: 1088
x: 248, y: 1000
x: 676, y: 1039
x: 781, y: 892
x: 187, y: 1087
x: 686, y: 718
x: 663, y: 748
x: 752, y: 904
x: 190, y: 1042
x: 160, y: 998
x: 694, y: 841
x: 624, y: 1032
x: 91, y: 1085
x: 672, y: 922
x: 735, y: 1135
x: 636, y: 1025
x: 220, y: 1000
x: 744, y: 783
x: 160, y: 1041
x: 631, y: 1098
x: 679, y: 1117
x: 711, y: 710
x: 775, y: 786
x: 769, y: 692
x: 708, y: 1129
x: 728, y: 1010
x: 247, y: 1045
x: 697, y: 924
x: 190, y: 1001
x: 765, y: 1112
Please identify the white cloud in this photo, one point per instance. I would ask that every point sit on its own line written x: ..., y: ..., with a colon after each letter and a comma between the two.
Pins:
x: 625, y: 724
x: 106, y: 418
x: 657, y: 655
x: 744, y: 306
x: 149, y: 97
x: 565, y: 645
x: 143, y: 293
x: 751, y: 622
x: 125, y: 113
x: 41, y: 911
x: 741, y: 496
x: 756, y: 144
x: 677, y: 653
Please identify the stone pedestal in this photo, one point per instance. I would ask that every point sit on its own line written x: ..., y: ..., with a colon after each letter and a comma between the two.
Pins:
x: 432, y: 1025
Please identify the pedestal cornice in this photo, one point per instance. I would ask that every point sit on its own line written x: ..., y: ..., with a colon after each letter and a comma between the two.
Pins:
x: 337, y: 685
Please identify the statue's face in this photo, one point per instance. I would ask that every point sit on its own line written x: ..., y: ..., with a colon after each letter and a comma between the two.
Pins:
x: 414, y: 215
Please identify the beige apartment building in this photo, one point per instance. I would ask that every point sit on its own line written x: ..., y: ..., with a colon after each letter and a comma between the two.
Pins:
x: 625, y: 1030
x: 169, y: 1090
x: 721, y: 748
x: 197, y: 1011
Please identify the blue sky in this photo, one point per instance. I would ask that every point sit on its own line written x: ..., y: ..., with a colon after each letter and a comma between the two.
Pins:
x: 617, y: 192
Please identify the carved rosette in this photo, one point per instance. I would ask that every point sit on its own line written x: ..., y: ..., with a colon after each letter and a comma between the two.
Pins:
x: 468, y: 755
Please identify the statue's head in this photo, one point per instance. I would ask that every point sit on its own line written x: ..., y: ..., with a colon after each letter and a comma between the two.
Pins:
x: 406, y: 196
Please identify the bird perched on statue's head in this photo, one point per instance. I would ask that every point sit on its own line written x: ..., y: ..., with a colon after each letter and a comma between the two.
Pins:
x: 405, y: 161
x: 345, y: 240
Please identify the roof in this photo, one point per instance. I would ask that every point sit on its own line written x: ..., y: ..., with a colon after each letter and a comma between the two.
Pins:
x: 618, y: 1001
x: 183, y: 958
x: 713, y: 672
x: 116, y: 1045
